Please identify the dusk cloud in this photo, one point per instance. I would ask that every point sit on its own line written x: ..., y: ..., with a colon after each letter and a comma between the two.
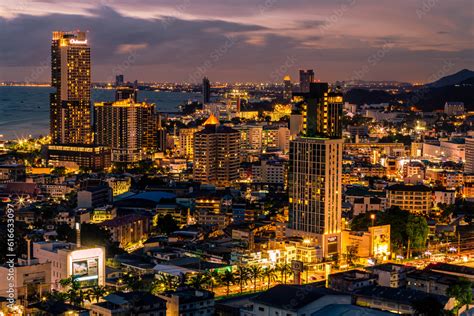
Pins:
x: 253, y: 40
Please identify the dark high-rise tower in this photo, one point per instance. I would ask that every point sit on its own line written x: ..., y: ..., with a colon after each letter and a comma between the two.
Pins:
x: 206, y: 90
x: 306, y: 77
x: 119, y: 80
x: 70, y: 112
x: 287, y: 88
x: 322, y: 111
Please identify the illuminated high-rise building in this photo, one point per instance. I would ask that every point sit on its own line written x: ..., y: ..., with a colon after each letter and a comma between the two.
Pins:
x: 216, y: 154
x: 287, y: 88
x: 206, y: 90
x: 70, y: 113
x: 125, y: 93
x: 127, y: 127
x: 469, y: 156
x: 186, y: 142
x: 315, y: 175
x: 306, y: 78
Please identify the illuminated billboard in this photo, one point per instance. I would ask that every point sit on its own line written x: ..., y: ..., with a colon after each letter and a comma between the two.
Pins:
x: 87, y: 266
x: 86, y: 270
x: 380, y: 236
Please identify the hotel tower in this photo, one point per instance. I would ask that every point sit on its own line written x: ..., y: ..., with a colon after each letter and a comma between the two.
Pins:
x: 70, y: 111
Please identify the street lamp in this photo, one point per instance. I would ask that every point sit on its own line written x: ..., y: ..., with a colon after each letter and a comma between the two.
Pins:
x: 372, y: 217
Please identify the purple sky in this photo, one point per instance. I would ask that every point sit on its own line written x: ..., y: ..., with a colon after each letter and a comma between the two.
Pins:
x: 244, y: 40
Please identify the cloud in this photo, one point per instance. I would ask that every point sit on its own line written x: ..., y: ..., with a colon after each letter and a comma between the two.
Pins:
x: 170, y: 39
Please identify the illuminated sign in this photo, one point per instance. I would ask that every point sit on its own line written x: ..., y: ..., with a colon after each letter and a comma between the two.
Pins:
x: 380, y: 240
x: 86, y: 270
x: 75, y: 41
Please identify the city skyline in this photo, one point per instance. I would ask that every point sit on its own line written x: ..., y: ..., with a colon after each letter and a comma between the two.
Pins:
x: 252, y: 41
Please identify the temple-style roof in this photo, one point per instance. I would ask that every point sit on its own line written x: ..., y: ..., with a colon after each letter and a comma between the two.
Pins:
x: 212, y: 120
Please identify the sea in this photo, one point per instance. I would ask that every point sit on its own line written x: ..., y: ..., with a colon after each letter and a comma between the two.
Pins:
x: 24, y: 111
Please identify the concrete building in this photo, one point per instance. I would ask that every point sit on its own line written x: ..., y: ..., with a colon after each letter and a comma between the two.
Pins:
x: 399, y: 301
x: 391, y: 275
x: 128, y: 229
x: 127, y: 127
x: 186, y: 142
x: 469, y: 155
x: 216, y: 154
x: 130, y: 303
x: 413, y: 198
x: 31, y: 278
x: 12, y: 173
x: 444, y: 196
x: 94, y: 196
x: 269, y: 171
x: 315, y: 171
x: 285, y: 300
x: 189, y: 302
x: 87, y: 265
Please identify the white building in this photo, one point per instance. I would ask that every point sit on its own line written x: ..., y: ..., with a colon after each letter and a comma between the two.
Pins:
x: 469, y: 155
x: 87, y: 265
x: 31, y: 278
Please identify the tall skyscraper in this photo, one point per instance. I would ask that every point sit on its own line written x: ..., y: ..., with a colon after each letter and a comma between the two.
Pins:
x: 70, y: 114
x: 119, y: 80
x: 161, y: 136
x: 206, y: 90
x: 315, y: 175
x: 306, y: 77
x: 216, y: 154
x: 127, y: 127
x: 287, y: 88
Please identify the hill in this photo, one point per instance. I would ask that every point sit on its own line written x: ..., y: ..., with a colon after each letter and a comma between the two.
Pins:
x: 453, y: 79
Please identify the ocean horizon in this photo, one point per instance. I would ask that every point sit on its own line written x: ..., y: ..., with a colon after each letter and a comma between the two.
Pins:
x: 24, y: 111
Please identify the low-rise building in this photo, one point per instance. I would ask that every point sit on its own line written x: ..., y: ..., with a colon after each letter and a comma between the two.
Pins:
x: 94, y: 196
x: 397, y: 300
x: 391, y: 275
x: 12, y: 173
x: 294, y: 300
x: 413, y: 198
x: 131, y: 303
x: 31, y: 278
x: 87, y: 265
x: 128, y: 229
x: 351, y: 280
x: 189, y: 302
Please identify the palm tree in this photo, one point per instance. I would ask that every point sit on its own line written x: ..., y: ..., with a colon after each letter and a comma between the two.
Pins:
x: 227, y: 278
x: 166, y: 282
x: 74, y: 294
x: 132, y: 282
x: 285, y: 270
x: 255, y: 272
x: 270, y: 275
x: 197, y: 281
x: 241, y: 276
x: 97, y: 292
x: 56, y: 296
x: 212, y: 277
